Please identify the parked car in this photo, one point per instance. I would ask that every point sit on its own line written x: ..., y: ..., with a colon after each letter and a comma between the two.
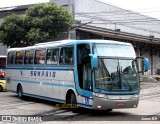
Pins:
x: 2, y: 85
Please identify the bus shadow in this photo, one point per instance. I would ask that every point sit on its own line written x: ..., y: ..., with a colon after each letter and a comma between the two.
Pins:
x: 103, y: 115
x: 100, y: 112
x: 83, y: 113
x: 36, y: 100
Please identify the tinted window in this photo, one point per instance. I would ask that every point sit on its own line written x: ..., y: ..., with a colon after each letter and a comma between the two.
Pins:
x: 66, y: 55
x: 40, y: 57
x: 28, y: 59
x: 52, y: 56
x: 10, y: 58
x: 19, y: 57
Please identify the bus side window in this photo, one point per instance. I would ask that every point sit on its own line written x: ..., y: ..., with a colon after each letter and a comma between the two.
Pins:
x: 66, y: 55
x: 26, y: 57
x: 69, y: 55
x: 62, y: 55
x: 19, y: 58
x: 31, y: 57
x: 40, y: 57
x: 10, y: 59
x: 52, y: 56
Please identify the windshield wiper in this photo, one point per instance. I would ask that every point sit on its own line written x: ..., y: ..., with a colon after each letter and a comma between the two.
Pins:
x: 127, y: 82
x: 119, y: 75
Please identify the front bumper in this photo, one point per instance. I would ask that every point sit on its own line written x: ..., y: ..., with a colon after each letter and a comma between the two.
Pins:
x: 105, y: 103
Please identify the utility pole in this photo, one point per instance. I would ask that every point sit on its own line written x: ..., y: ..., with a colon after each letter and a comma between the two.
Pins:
x: 69, y: 7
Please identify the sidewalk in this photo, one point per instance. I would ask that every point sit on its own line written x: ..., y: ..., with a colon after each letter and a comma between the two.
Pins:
x: 149, y: 78
x: 146, y: 85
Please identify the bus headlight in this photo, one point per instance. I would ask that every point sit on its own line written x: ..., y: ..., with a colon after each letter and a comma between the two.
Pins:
x: 100, y: 95
x: 135, y: 96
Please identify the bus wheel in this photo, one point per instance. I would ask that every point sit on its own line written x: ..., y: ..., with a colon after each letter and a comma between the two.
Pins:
x: 73, y: 103
x: 73, y: 99
x: 109, y: 110
x: 20, y: 91
x: 1, y: 88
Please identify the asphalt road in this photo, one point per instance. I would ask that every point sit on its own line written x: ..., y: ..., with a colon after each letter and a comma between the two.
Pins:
x: 148, y: 109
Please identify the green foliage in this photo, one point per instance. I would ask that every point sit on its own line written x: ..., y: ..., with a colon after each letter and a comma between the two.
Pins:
x: 41, y: 22
x: 36, y: 35
x: 12, y: 32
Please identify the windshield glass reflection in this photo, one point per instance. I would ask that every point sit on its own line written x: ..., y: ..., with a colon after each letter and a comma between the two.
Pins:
x: 116, y: 74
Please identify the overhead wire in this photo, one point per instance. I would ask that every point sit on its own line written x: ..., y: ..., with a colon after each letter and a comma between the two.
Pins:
x: 120, y: 15
x: 95, y: 18
x: 125, y: 20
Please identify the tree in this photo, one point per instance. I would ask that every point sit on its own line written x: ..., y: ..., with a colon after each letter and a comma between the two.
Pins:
x: 12, y: 32
x: 41, y: 22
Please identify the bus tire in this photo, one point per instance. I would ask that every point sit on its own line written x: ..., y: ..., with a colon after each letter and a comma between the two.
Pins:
x: 73, y: 99
x: 1, y: 88
x: 72, y: 102
x: 20, y: 91
x: 109, y: 110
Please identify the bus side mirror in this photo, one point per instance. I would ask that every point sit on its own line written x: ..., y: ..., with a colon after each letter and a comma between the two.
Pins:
x: 94, y: 60
x: 146, y: 64
x: 143, y: 64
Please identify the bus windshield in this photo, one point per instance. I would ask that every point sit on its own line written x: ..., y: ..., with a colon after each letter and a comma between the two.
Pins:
x: 114, y: 50
x: 117, y: 67
x: 116, y: 74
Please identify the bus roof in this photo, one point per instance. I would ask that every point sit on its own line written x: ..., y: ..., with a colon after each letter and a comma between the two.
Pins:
x: 66, y: 42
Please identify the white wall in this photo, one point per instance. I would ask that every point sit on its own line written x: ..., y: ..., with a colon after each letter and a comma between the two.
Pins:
x: 110, y: 17
x: 3, y: 49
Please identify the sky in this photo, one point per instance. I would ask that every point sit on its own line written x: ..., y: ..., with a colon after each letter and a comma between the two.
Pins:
x: 150, y: 8
x: 7, y: 3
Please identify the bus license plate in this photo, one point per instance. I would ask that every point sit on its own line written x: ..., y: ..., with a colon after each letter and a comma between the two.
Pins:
x: 120, y: 104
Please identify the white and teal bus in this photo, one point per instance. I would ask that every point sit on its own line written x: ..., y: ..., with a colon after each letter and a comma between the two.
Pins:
x: 95, y: 74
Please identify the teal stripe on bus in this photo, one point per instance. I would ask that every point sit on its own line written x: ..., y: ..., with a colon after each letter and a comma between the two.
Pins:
x: 55, y: 84
x: 25, y: 81
x: 43, y: 83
